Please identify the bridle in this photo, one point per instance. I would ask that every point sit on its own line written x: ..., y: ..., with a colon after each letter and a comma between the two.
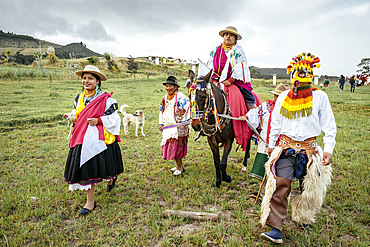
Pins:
x: 209, y: 108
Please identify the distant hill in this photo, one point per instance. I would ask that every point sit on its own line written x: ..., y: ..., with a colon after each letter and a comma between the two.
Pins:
x: 78, y: 49
x: 23, y: 41
x: 27, y: 45
x: 267, y: 73
x: 270, y: 71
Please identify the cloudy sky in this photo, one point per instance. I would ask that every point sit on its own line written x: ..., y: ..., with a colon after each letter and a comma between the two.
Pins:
x: 273, y: 30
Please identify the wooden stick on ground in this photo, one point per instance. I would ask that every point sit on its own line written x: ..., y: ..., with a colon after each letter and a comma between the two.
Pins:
x: 192, y: 215
x: 261, y: 186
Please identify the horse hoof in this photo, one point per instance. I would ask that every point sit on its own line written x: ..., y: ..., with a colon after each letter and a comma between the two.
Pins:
x: 218, y: 182
x: 227, y: 179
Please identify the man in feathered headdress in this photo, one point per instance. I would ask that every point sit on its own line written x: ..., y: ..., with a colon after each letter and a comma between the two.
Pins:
x: 300, y: 114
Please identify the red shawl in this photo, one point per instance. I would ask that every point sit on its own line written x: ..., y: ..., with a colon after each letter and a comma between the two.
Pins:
x: 94, y: 109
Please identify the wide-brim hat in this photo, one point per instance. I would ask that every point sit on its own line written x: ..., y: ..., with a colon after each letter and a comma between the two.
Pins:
x: 171, y: 80
x: 280, y: 88
x: 93, y: 70
x: 231, y: 30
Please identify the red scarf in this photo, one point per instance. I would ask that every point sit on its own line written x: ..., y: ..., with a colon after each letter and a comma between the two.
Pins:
x: 95, y: 109
x: 219, y: 62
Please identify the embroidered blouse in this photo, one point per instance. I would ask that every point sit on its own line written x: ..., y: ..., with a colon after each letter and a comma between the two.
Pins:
x: 238, y: 62
x: 171, y: 112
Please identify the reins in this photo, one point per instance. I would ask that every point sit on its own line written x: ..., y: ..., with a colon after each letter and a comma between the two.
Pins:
x: 209, y: 108
x: 209, y: 129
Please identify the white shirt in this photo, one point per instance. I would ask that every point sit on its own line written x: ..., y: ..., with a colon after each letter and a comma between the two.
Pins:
x: 302, y: 128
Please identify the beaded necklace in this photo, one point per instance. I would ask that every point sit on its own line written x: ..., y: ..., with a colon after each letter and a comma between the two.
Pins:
x: 89, y: 94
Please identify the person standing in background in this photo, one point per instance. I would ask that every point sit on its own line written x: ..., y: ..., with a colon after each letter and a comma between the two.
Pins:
x: 341, y: 81
x: 352, y: 81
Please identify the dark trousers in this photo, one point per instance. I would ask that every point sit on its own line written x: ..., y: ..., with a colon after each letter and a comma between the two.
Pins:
x: 353, y: 86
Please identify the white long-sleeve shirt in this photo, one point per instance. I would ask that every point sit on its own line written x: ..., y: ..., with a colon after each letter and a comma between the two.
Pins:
x: 302, y: 128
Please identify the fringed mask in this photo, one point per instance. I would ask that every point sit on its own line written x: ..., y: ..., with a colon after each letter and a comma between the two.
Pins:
x: 298, y: 102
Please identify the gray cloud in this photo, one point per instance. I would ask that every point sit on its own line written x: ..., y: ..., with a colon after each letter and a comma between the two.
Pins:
x: 93, y: 30
x: 273, y: 31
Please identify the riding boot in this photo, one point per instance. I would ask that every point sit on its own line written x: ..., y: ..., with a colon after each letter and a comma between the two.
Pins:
x: 279, y: 203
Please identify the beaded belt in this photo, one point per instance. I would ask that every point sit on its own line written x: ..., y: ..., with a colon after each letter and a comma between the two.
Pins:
x: 309, y: 145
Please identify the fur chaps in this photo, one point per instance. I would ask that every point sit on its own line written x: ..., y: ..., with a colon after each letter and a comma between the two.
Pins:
x: 315, y: 183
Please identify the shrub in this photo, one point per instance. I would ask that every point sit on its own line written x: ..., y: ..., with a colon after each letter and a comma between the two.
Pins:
x: 93, y: 60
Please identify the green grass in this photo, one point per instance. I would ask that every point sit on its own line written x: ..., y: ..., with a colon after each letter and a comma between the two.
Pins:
x: 36, y: 208
x: 24, y: 51
x: 59, y: 71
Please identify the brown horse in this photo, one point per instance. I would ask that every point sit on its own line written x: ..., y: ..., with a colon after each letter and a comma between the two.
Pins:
x: 205, y: 122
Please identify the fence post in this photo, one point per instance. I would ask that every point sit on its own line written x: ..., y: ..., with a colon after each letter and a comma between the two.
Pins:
x: 274, y: 79
x: 316, y: 80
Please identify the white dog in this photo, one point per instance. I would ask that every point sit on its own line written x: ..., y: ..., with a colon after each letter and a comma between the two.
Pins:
x: 71, y: 118
x: 137, y: 118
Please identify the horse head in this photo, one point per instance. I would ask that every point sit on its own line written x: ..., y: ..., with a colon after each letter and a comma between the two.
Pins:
x: 199, y: 97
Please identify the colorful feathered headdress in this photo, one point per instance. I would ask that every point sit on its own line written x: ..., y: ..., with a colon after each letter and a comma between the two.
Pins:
x: 305, y: 62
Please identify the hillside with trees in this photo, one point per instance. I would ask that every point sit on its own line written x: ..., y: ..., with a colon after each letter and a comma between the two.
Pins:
x: 27, y: 45
x: 78, y: 49
x: 23, y: 41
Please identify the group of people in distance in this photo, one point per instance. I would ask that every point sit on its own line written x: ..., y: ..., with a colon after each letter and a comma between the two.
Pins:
x: 290, y: 125
x: 354, y: 81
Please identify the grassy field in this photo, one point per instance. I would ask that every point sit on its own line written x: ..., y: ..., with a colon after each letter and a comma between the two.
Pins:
x: 64, y: 70
x: 36, y: 208
x: 24, y: 51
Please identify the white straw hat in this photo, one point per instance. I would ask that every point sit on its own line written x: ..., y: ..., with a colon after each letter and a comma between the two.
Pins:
x: 232, y: 30
x: 93, y: 70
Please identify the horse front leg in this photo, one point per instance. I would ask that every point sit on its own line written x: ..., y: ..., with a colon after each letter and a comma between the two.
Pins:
x: 247, y: 153
x: 216, y: 160
x: 223, y: 163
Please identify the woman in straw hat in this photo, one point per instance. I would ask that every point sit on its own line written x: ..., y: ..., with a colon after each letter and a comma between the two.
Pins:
x: 94, y: 153
x: 173, y: 110
x: 231, y: 73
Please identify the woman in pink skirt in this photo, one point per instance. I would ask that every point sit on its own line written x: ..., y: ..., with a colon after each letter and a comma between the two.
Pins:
x: 173, y: 110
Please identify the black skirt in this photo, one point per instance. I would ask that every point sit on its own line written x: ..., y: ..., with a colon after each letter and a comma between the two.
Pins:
x: 106, y: 165
x: 248, y: 96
